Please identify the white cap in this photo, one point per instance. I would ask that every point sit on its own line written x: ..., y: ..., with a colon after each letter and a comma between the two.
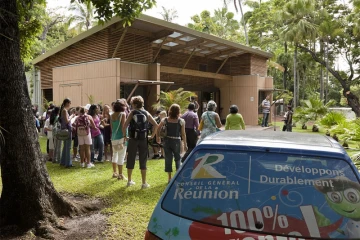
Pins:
x: 87, y: 107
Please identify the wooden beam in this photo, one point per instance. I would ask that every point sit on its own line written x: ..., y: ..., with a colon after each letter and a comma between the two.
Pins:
x: 161, y: 34
x: 157, y: 53
x: 132, y: 92
x: 188, y: 44
x: 192, y: 53
x: 223, y: 63
x: 219, y: 53
x: 120, y: 41
x: 188, y: 72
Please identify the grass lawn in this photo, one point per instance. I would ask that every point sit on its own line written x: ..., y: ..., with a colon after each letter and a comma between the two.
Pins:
x: 129, y: 209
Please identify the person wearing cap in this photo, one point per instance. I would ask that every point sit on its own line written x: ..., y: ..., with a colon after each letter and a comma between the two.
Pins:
x: 234, y: 121
x: 210, y: 121
x: 191, y: 127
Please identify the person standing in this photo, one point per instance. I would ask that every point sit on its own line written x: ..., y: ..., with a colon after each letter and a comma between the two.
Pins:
x: 288, y: 119
x: 266, y: 111
x: 82, y: 125
x: 138, y: 120
x: 97, y: 137
x: 117, y: 122
x: 107, y: 132
x: 210, y: 121
x: 175, y: 127
x: 54, y: 121
x: 191, y: 127
x: 65, y: 121
x: 234, y: 121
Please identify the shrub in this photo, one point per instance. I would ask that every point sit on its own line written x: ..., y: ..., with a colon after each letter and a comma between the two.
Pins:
x: 332, y: 119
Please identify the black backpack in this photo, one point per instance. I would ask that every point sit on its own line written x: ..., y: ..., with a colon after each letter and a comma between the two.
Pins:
x: 139, y: 125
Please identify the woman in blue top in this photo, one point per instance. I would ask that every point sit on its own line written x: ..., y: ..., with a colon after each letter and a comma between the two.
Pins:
x: 117, y: 122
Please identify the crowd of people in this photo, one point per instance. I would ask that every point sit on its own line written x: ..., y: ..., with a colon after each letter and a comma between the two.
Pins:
x: 121, y: 134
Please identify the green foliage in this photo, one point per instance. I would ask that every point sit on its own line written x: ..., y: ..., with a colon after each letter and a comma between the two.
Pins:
x: 332, y: 118
x: 312, y: 109
x: 82, y: 16
x: 222, y: 24
x: 30, y: 25
x: 179, y: 96
x: 127, y: 10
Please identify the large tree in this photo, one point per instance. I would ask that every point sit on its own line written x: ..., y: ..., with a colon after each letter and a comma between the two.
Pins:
x: 28, y: 197
x: 221, y: 24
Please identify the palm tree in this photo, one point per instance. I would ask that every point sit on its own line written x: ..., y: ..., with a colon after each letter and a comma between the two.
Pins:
x: 179, y: 96
x: 297, y: 28
x: 312, y: 109
x: 242, y: 16
x: 169, y: 14
x: 83, y: 16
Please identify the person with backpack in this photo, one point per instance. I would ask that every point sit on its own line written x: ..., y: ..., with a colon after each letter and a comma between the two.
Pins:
x: 138, y: 120
x: 172, y: 129
x: 82, y: 125
x: 97, y: 137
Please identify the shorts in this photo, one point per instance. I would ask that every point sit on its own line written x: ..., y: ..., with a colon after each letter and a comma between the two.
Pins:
x: 85, y: 140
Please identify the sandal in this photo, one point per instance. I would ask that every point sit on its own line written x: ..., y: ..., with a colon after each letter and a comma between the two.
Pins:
x: 121, y: 177
x: 115, y: 175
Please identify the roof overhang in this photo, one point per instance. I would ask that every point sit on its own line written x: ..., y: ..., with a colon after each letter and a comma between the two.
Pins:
x: 168, y: 36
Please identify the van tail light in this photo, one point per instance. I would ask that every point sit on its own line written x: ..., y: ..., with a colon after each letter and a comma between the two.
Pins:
x: 150, y: 236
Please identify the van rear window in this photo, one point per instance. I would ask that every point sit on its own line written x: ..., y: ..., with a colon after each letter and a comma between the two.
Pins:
x: 269, y: 193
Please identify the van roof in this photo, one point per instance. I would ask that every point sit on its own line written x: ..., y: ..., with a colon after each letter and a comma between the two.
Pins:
x: 273, y: 139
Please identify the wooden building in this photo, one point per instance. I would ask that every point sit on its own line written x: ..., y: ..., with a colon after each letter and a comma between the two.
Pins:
x: 110, y: 62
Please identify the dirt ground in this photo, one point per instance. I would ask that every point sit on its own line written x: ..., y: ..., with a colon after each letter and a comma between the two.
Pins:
x: 88, y: 226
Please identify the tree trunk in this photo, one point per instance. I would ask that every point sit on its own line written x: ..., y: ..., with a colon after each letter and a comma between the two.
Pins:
x: 244, y: 23
x: 285, y: 67
x: 295, y: 77
x: 353, y: 101
x: 321, y: 83
x: 28, y: 197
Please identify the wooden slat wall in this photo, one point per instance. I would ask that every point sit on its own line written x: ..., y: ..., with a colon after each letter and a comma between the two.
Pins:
x: 93, y: 48
x: 258, y: 65
x: 240, y: 65
x: 134, y: 48
x: 179, y: 59
x: 190, y: 83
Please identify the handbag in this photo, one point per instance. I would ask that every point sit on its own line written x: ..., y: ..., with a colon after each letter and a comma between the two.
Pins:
x: 217, y: 129
x: 118, y: 144
x: 63, y: 135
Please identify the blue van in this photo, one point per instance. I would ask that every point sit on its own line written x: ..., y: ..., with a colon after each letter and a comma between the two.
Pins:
x: 261, y: 185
